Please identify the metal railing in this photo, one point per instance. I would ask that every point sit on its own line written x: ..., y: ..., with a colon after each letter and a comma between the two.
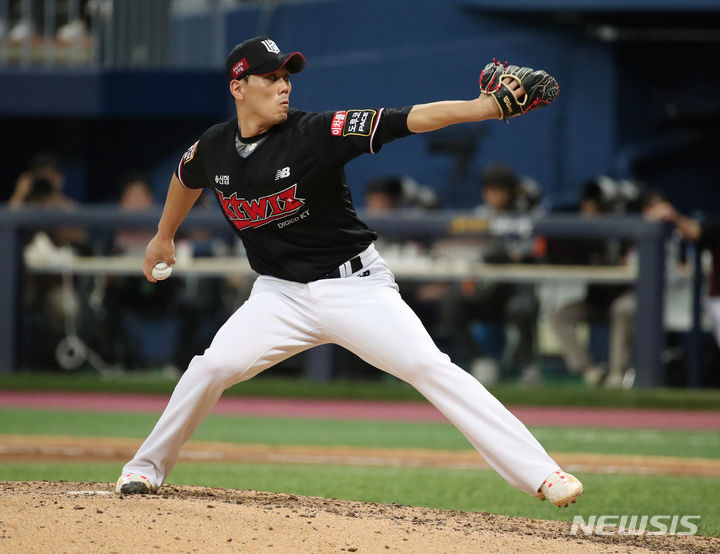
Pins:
x: 649, y: 237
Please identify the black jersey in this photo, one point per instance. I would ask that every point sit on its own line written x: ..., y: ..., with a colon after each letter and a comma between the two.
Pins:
x: 287, y: 199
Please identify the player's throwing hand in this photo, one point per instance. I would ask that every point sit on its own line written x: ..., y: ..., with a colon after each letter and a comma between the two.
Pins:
x: 158, y: 250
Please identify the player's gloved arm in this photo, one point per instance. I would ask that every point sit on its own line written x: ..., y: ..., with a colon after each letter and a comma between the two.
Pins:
x: 162, y: 246
x: 506, y: 91
x: 436, y: 115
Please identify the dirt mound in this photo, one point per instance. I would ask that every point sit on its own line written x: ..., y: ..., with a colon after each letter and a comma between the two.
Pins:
x: 89, y: 517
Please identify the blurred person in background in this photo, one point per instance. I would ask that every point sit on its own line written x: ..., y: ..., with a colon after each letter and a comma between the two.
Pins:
x: 383, y: 195
x: 28, y: 20
x: 135, y: 196
x: 48, y: 301
x: 706, y: 233
x: 467, y: 304
x: 129, y: 301
x: 25, y: 19
x: 602, y: 303
x: 41, y: 185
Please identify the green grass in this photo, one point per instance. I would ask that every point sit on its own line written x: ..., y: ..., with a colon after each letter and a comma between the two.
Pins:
x: 646, y: 442
x: 432, y: 487
x: 563, y: 392
x: 323, y: 432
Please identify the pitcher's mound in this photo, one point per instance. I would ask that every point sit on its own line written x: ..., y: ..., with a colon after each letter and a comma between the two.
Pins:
x: 89, y: 517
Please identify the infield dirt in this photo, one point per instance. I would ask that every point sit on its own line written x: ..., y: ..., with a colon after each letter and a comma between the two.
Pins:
x: 89, y: 517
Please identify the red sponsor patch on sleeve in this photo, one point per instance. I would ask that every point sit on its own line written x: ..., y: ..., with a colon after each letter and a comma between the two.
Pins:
x: 239, y: 68
x: 338, y: 122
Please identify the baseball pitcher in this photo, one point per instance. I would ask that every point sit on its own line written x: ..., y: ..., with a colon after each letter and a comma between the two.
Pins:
x: 278, y: 176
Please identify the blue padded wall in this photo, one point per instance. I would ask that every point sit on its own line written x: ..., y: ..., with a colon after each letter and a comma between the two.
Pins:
x: 614, y: 114
x: 377, y: 53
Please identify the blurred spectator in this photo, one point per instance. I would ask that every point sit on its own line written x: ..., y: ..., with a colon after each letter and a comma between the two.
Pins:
x: 41, y: 185
x: 23, y: 20
x: 383, y: 195
x: 40, y: 188
x: 135, y: 195
x: 131, y: 301
x: 49, y: 302
x: 499, y: 187
x: 615, y: 304
x: 706, y: 233
x: 513, y: 306
x: 28, y: 20
x: 388, y: 193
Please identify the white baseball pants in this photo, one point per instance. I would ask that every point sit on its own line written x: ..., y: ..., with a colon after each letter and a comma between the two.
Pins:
x: 366, y: 315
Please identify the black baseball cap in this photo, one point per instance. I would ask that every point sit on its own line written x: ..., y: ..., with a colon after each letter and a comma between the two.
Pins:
x: 260, y: 56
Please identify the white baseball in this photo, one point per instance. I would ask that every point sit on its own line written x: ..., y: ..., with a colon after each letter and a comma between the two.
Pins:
x: 161, y: 271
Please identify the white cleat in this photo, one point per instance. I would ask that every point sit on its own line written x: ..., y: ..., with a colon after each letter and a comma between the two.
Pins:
x: 560, y: 488
x: 133, y: 483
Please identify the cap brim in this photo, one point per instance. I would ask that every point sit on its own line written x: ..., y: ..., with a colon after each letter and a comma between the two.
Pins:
x: 294, y: 62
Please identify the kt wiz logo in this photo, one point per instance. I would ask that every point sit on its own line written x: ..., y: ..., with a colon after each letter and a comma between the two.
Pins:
x: 257, y: 212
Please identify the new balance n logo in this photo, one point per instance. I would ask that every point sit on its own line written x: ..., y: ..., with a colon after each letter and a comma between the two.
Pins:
x: 283, y: 173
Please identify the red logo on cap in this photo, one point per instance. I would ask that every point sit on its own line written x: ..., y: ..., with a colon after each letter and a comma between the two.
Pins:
x: 337, y: 124
x: 239, y: 68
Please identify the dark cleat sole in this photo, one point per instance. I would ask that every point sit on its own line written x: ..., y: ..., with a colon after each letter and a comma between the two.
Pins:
x: 135, y: 487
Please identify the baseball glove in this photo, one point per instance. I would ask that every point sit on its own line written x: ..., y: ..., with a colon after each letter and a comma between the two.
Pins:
x: 540, y: 88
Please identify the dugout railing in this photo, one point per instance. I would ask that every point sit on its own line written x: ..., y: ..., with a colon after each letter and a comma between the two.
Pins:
x: 649, y: 238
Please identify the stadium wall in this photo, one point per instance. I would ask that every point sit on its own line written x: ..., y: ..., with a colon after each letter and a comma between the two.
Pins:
x: 616, y: 113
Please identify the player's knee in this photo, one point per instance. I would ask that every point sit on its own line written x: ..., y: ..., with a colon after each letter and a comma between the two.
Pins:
x: 217, y: 369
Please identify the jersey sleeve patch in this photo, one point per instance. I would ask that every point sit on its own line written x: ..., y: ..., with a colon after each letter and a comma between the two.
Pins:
x: 184, y: 173
x: 353, y: 122
x: 337, y: 124
x: 190, y: 154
